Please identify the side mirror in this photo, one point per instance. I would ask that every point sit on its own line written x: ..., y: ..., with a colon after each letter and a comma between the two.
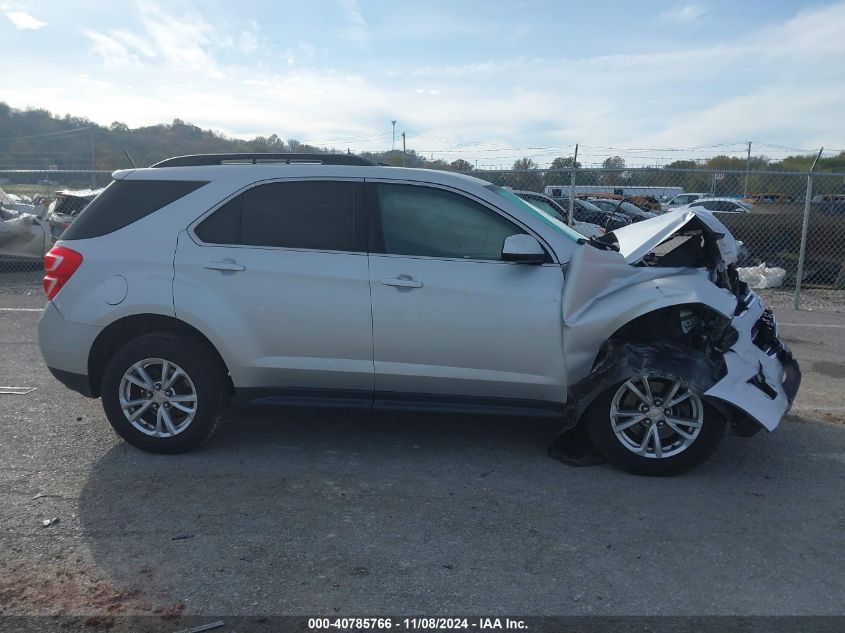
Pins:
x: 523, y: 249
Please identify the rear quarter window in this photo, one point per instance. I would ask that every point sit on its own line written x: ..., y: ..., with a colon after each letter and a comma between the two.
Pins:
x: 124, y: 202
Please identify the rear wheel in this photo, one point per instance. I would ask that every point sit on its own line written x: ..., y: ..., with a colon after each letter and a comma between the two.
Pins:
x: 653, y: 423
x: 163, y: 393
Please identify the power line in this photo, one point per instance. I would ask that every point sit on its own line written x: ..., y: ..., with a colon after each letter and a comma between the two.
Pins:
x: 47, y: 134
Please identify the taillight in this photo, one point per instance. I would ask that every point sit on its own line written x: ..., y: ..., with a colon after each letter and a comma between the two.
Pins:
x: 59, y: 264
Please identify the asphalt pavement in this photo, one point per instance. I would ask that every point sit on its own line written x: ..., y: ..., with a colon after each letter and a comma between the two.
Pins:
x: 327, y: 512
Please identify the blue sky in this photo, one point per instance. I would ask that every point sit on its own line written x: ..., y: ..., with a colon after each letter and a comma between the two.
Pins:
x: 486, y: 81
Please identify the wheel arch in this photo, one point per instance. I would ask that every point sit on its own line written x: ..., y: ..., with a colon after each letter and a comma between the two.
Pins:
x: 653, y: 336
x: 122, y: 330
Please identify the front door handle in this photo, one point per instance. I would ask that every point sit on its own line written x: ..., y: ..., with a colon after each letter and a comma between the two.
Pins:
x: 224, y: 265
x: 401, y: 282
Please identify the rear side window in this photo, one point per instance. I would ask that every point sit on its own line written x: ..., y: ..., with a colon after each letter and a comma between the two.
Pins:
x: 124, y: 202
x: 316, y: 215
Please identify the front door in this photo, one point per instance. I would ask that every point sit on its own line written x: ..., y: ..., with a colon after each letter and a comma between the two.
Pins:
x: 450, y: 318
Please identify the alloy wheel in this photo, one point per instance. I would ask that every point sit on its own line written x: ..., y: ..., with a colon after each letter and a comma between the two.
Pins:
x: 656, y: 417
x: 158, y: 398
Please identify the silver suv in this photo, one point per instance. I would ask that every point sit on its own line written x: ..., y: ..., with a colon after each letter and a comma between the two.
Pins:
x: 328, y: 279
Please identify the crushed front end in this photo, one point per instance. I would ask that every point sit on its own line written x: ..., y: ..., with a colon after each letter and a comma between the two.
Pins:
x: 761, y: 376
x: 690, y: 257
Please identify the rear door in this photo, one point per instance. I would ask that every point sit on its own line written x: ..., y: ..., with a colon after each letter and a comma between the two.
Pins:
x: 277, y: 278
x: 450, y: 318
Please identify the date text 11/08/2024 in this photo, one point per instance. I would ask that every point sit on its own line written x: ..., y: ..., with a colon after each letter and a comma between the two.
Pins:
x: 414, y: 624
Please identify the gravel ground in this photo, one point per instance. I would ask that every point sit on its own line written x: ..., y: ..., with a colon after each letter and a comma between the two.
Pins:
x: 812, y: 299
x: 322, y: 512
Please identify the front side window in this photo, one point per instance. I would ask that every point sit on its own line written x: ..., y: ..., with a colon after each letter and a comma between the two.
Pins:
x: 428, y: 222
x: 311, y: 214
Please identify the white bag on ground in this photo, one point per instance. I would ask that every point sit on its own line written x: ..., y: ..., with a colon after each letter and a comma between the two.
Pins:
x: 761, y: 277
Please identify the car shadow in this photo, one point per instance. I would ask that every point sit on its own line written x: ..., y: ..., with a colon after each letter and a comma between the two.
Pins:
x: 310, y: 511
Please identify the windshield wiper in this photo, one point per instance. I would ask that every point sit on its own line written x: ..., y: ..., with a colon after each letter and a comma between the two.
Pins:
x: 605, y: 246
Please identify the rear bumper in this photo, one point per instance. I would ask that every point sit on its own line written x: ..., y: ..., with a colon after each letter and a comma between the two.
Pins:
x: 762, y: 376
x: 76, y: 382
x: 65, y: 346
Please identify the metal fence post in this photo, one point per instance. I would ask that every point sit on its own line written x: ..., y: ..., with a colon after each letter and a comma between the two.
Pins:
x: 572, y: 185
x: 799, y: 275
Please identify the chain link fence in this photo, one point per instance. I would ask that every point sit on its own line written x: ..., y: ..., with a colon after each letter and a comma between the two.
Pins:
x: 789, y: 221
x: 792, y: 221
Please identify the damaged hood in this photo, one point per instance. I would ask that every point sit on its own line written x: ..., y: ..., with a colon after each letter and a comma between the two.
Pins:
x: 637, y: 239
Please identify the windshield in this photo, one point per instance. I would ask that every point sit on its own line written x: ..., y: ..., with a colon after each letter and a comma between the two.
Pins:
x: 631, y: 210
x: 634, y: 211
x: 545, y: 206
x: 537, y: 212
x: 588, y: 206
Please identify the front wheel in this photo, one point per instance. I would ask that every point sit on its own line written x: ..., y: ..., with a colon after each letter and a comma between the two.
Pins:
x: 654, y: 424
x: 163, y: 393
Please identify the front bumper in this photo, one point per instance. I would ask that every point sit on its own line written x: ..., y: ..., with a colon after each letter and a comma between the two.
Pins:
x: 762, y: 376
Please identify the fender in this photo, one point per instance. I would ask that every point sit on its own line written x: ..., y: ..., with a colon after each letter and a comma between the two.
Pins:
x: 627, y: 292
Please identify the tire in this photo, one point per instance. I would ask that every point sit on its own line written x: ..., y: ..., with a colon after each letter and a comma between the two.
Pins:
x: 125, y: 392
x: 618, y: 420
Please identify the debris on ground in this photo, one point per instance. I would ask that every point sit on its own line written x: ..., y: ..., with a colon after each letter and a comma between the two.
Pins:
x: 49, y: 522
x: 203, y: 627
x: 171, y: 611
x: 17, y: 391
x: 25, y: 591
x: 761, y: 276
x: 573, y: 447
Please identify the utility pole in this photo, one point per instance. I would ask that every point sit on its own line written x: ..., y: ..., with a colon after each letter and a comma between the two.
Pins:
x: 747, y: 167
x: 403, y: 149
x: 572, y: 186
x: 393, y: 144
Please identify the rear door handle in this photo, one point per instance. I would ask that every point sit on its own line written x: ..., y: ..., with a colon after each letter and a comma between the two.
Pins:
x: 225, y: 265
x: 401, y: 282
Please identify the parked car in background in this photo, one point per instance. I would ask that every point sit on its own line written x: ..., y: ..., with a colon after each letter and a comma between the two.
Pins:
x: 832, y: 207
x: 721, y: 205
x: 585, y: 211
x: 646, y: 203
x: 770, y: 198
x: 828, y: 198
x: 682, y: 200
x: 328, y: 279
x: 623, y: 206
x: 551, y: 207
x: 24, y: 237
x: 66, y: 207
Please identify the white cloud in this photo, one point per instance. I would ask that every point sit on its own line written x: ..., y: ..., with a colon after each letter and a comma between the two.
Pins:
x: 355, y: 28
x: 24, y: 21
x: 776, y: 83
x: 110, y: 50
x: 248, y: 42
x: 685, y: 13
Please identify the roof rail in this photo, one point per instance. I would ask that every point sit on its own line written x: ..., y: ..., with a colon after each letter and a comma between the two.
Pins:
x: 195, y: 160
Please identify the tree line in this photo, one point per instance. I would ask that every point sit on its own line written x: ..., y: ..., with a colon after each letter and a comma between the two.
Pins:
x: 36, y: 139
